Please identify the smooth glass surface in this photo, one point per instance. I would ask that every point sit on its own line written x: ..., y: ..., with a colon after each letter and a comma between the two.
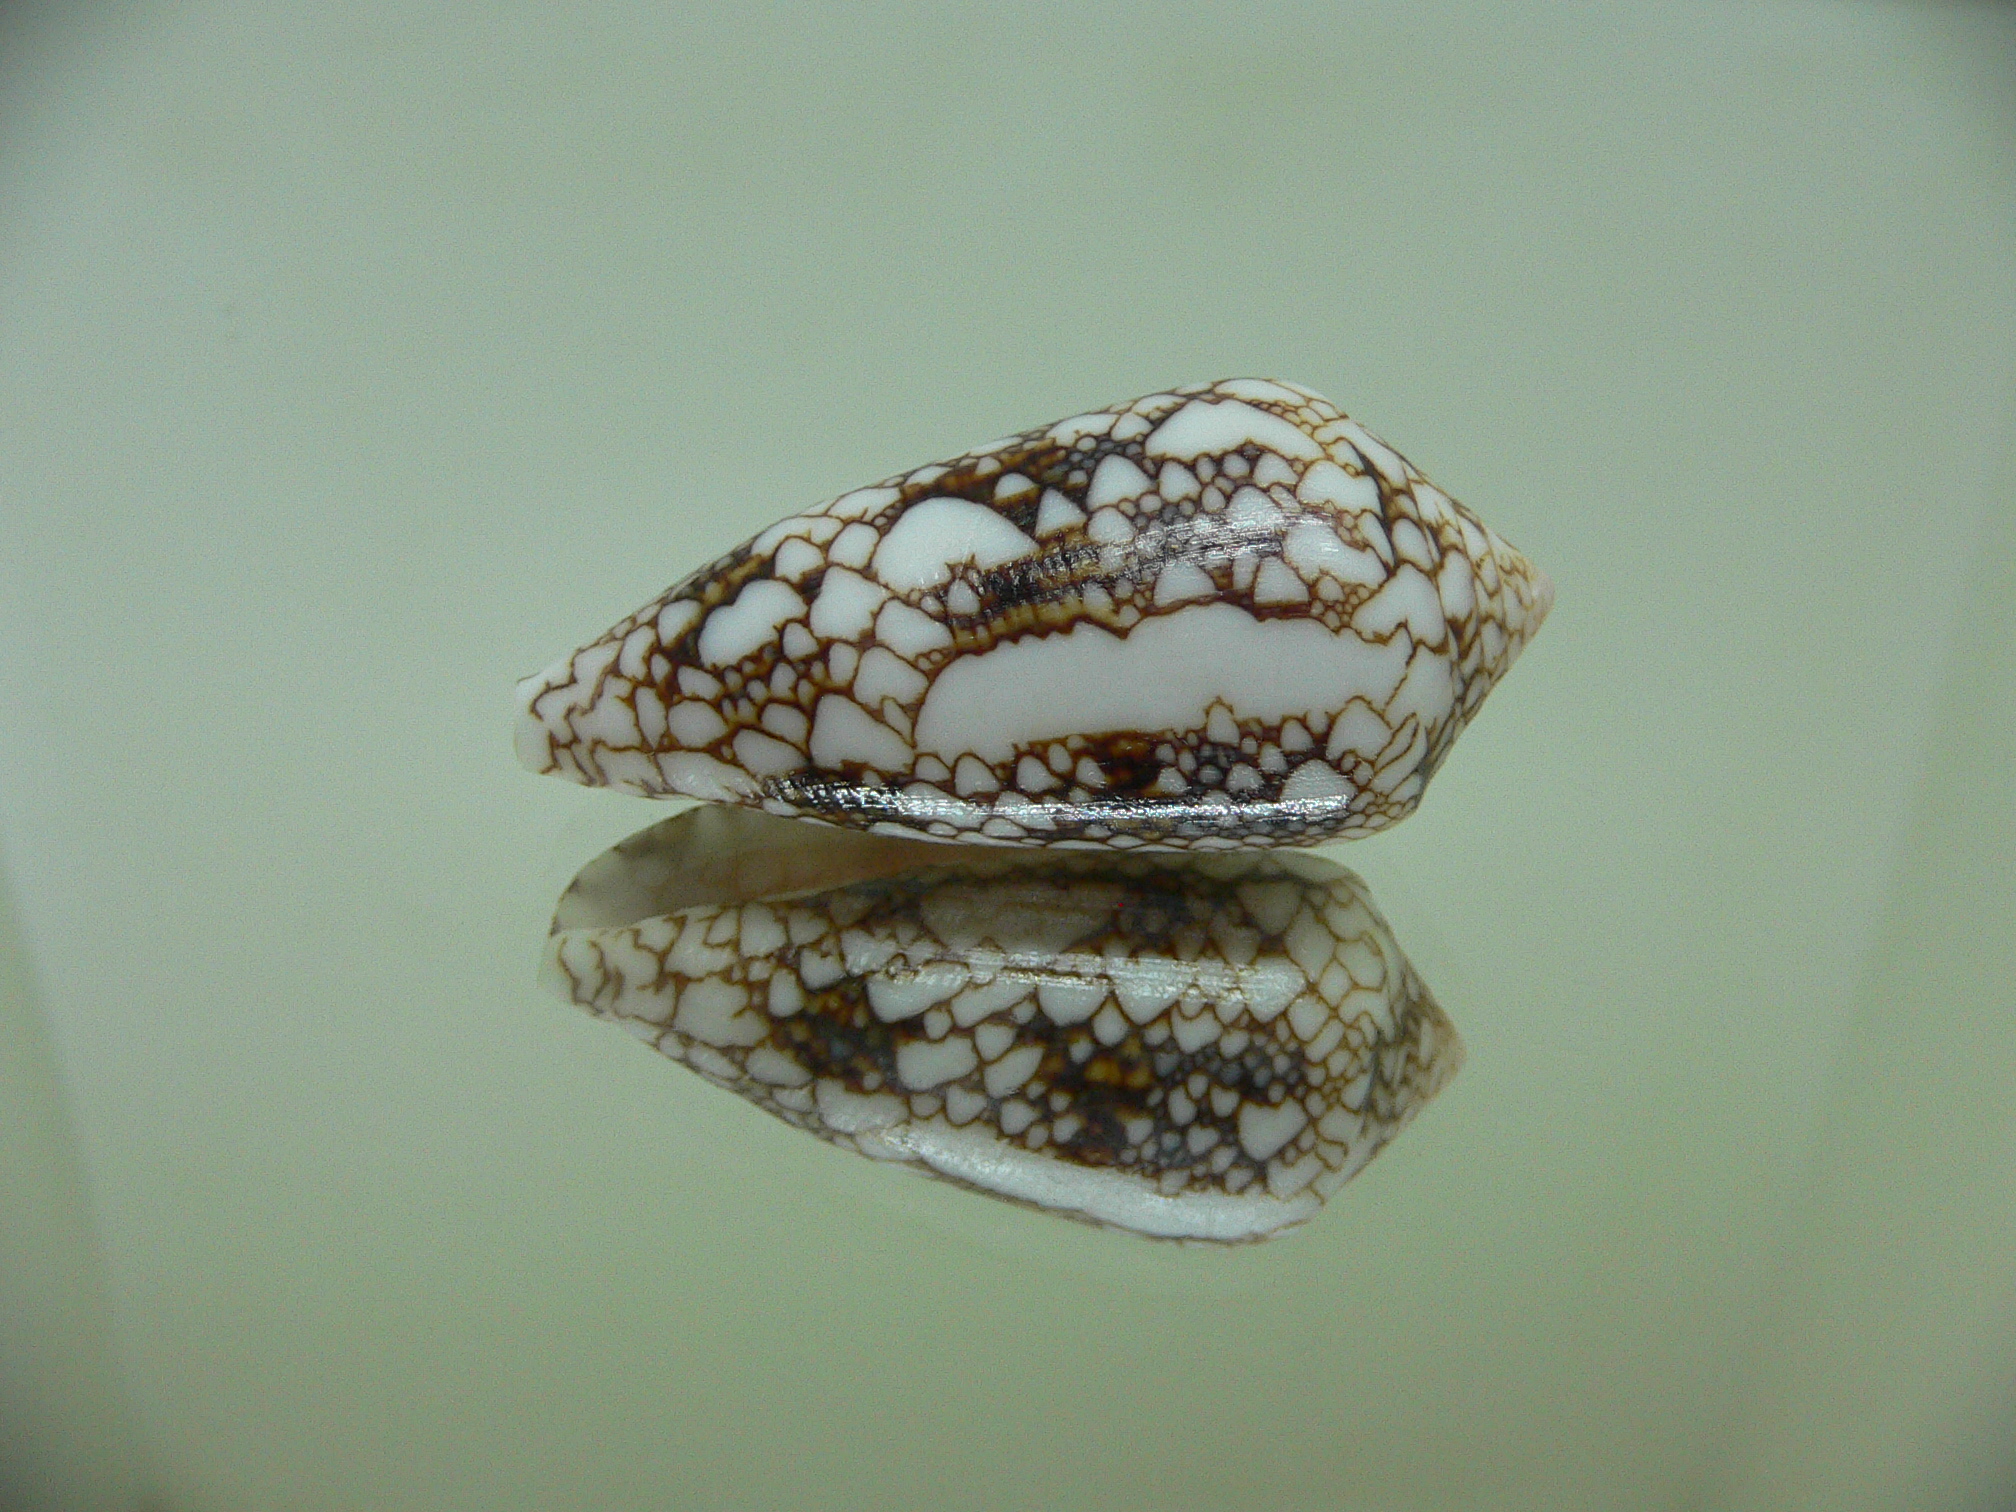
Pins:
x: 356, y: 361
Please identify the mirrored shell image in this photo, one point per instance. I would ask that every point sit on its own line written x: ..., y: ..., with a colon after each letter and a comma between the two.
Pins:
x: 1220, y: 617
x: 1199, y: 1048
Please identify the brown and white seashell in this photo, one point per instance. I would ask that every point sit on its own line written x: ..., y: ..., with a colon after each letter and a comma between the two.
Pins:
x: 1220, y: 617
x: 1197, y: 1048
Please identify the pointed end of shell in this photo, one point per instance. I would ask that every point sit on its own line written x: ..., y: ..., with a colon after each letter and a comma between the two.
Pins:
x: 531, y: 736
x: 578, y: 720
x: 534, y: 747
x: 539, y: 728
x: 1439, y: 1050
x: 1527, y: 595
x: 1543, y: 600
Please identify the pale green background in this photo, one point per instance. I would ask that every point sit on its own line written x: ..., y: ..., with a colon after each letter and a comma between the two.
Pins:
x: 357, y: 359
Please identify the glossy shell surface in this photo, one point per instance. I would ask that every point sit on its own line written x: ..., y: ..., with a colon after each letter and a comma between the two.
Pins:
x: 1221, y: 617
x: 1198, y: 1048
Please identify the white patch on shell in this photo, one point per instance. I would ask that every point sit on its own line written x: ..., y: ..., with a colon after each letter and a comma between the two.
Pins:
x: 1205, y: 427
x: 935, y: 535
x: 843, y: 731
x: 1164, y: 675
x: 846, y: 604
x: 1056, y: 513
x: 735, y: 630
x: 1115, y: 479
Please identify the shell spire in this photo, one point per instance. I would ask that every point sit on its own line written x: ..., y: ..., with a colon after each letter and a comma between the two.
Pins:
x: 1221, y: 616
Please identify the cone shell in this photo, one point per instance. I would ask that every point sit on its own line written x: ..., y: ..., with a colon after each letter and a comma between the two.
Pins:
x: 1197, y: 1048
x: 1225, y: 616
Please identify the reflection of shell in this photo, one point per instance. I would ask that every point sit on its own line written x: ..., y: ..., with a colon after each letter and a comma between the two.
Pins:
x: 1189, y: 1048
x: 1225, y: 616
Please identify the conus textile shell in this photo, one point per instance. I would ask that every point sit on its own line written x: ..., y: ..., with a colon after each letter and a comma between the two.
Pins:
x: 1188, y: 1047
x: 1220, y: 617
